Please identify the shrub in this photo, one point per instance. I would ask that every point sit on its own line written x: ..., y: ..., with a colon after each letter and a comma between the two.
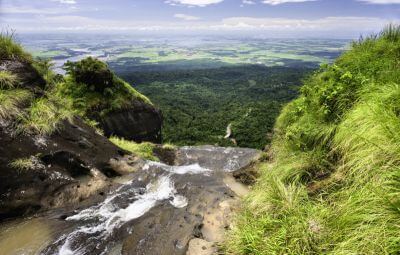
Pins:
x: 91, y: 72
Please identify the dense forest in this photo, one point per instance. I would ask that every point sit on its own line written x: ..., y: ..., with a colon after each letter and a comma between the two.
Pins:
x: 198, y: 105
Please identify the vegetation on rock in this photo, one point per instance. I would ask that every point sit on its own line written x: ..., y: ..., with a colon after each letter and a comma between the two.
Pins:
x: 333, y: 186
x: 93, y: 88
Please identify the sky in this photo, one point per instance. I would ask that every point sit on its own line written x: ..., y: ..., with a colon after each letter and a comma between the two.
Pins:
x: 336, y: 18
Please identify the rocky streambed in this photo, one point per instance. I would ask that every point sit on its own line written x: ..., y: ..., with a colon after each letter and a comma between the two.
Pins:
x: 182, y: 208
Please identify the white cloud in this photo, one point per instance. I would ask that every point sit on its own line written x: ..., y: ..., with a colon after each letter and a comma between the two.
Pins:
x: 360, y: 24
x: 248, y: 2
x: 192, y: 3
x: 329, y: 27
x: 277, y: 2
x: 32, y: 10
x: 65, y: 1
x: 381, y: 1
x: 186, y: 17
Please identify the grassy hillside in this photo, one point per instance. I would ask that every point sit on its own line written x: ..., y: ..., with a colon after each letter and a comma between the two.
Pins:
x: 332, y: 185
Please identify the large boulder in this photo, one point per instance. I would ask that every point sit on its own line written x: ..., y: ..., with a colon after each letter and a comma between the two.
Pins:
x: 140, y: 122
x: 119, y: 109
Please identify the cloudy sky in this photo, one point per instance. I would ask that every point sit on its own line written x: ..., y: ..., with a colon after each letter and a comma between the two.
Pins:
x: 308, y: 17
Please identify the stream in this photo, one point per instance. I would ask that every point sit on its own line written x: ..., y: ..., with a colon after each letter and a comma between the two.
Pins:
x: 159, y: 209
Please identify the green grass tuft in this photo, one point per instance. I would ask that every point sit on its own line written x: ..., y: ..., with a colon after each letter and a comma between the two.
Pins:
x: 12, y: 102
x: 8, y: 80
x: 143, y: 150
x: 26, y: 164
x: 45, y: 114
x: 10, y: 50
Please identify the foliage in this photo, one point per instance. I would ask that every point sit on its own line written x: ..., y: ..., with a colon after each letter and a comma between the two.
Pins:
x: 9, y: 50
x: 7, y: 80
x: 143, y: 150
x: 198, y: 105
x: 94, y: 88
x: 44, y: 68
x: 91, y: 72
x: 333, y: 185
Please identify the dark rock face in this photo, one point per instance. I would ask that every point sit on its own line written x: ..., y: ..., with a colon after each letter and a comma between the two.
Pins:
x: 66, y: 167
x: 140, y: 122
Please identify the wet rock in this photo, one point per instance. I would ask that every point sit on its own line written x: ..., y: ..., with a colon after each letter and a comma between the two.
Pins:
x: 165, y: 154
x: 248, y: 175
x: 217, y: 158
x: 64, y: 161
x: 127, y: 164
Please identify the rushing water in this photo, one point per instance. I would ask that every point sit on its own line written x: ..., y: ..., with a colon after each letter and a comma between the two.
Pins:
x: 98, y: 224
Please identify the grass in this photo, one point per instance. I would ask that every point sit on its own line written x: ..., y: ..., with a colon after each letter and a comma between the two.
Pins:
x: 8, y: 80
x: 143, y: 150
x: 333, y: 185
x: 45, y: 114
x: 26, y: 164
x: 9, y: 50
x: 12, y: 102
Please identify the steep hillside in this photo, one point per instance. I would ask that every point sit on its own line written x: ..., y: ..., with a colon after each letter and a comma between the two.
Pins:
x: 49, y: 155
x: 332, y: 184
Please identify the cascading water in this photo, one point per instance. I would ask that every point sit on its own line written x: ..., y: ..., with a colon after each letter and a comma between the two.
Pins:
x: 98, y: 224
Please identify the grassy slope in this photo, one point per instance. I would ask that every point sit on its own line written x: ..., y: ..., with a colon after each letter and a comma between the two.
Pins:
x: 333, y: 184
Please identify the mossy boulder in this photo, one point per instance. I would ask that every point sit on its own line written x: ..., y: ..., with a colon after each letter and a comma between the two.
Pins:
x: 99, y: 95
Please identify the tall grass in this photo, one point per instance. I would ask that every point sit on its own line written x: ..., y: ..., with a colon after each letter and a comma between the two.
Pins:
x: 45, y: 114
x: 10, y: 50
x: 7, y: 80
x: 334, y: 183
x: 12, y: 103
